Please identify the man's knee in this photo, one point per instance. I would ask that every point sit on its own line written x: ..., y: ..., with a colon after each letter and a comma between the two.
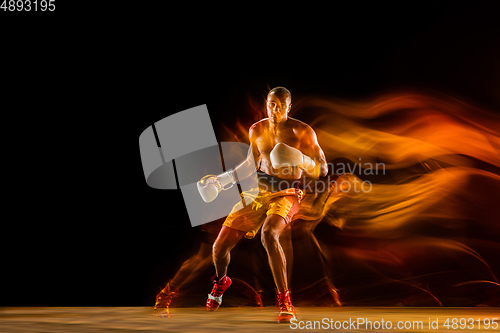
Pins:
x: 272, y: 229
x: 221, y: 247
x: 218, y: 249
x: 226, y: 240
x: 268, y: 239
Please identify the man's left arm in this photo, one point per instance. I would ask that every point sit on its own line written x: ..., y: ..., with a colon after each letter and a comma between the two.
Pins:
x: 310, y: 147
x: 308, y: 156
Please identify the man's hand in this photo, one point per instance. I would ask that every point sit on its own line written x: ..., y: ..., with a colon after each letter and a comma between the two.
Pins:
x: 283, y: 155
x: 210, y: 185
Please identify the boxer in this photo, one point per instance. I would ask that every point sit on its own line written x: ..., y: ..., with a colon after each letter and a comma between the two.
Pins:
x: 283, y: 150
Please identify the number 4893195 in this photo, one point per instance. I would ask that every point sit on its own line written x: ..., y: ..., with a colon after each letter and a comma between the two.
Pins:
x: 28, y: 5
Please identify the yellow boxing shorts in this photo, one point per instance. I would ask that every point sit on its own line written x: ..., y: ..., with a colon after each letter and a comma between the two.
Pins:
x: 249, y: 218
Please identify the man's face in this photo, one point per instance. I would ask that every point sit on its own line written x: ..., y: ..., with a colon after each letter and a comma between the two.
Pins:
x: 277, y: 109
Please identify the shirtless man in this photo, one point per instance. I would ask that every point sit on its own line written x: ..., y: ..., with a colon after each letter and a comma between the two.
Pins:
x: 283, y: 150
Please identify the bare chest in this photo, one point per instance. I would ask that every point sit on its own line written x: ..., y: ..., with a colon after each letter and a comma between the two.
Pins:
x: 266, y: 142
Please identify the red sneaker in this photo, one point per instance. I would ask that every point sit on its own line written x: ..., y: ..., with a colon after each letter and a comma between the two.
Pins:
x: 215, y: 297
x: 287, y: 312
x: 163, y: 300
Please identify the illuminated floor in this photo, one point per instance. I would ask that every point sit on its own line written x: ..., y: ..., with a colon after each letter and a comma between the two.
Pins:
x: 243, y: 319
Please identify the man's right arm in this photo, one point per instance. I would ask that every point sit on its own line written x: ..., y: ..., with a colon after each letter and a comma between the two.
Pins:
x: 210, y: 186
x: 252, y: 162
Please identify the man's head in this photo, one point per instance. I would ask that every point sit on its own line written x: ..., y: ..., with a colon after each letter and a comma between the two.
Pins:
x: 279, y: 102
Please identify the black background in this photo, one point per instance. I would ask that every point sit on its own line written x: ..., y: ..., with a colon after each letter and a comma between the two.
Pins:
x: 81, y: 226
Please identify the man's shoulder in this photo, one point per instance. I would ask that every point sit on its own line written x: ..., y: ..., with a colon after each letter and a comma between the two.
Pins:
x: 260, y: 125
x: 300, y: 125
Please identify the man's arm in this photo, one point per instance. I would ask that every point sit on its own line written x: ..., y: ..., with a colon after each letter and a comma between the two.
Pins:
x: 210, y: 186
x: 309, y: 146
x: 308, y: 156
x: 252, y: 162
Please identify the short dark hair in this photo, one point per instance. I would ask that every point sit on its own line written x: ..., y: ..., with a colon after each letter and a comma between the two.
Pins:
x: 280, y: 92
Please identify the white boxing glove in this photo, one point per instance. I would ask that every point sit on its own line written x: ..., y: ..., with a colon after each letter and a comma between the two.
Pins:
x: 283, y: 155
x: 210, y: 185
x: 207, y: 189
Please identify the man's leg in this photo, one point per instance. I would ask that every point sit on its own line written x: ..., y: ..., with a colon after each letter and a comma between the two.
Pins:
x: 271, y: 230
x: 227, y: 239
x: 270, y: 234
x: 286, y: 245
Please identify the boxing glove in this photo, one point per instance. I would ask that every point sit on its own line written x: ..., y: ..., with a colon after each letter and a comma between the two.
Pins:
x: 210, y: 185
x: 283, y: 155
